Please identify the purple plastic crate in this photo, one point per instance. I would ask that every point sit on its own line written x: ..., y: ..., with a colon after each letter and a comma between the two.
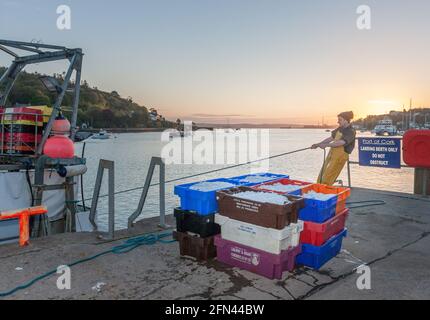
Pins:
x: 266, y: 264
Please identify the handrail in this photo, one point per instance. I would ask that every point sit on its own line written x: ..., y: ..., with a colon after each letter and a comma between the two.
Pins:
x: 110, y: 165
x: 155, y: 161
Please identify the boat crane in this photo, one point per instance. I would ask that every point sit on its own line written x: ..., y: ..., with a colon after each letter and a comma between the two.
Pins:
x: 11, y: 162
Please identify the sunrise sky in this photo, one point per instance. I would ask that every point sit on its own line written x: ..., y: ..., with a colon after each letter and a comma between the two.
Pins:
x: 271, y: 61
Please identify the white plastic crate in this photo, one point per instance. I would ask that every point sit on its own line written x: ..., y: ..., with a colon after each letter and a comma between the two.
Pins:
x: 266, y: 239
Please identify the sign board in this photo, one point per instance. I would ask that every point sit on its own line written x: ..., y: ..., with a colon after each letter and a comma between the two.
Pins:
x: 380, y: 152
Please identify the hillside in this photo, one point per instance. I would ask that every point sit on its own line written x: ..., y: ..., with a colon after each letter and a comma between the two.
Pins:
x: 97, y: 109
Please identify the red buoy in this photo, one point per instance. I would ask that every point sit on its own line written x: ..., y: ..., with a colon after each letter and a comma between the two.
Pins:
x: 416, y: 148
x: 59, y: 147
x: 61, y: 125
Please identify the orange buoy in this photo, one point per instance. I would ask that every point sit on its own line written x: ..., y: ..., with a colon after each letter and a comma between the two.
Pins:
x: 59, y: 147
x: 61, y: 125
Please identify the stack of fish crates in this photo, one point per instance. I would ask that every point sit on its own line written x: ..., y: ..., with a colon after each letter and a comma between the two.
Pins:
x: 324, y: 218
x: 260, y: 231
x: 325, y: 215
x: 195, y: 217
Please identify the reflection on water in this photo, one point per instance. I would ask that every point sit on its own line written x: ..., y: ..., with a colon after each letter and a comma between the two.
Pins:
x: 132, y: 153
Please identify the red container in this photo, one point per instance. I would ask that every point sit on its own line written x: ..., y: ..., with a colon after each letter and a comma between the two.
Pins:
x: 317, y: 234
x: 22, y: 115
x: 20, y: 137
x: 18, y: 149
x: 19, y: 143
x: 266, y: 264
x: 416, y: 148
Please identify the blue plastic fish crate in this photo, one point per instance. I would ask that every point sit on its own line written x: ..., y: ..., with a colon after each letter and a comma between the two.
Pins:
x: 272, y: 176
x: 318, y: 210
x: 201, y: 202
x: 315, y: 257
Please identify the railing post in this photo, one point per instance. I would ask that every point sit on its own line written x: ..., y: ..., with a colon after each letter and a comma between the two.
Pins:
x: 96, y: 194
x: 110, y: 165
x: 349, y: 174
x: 111, y: 191
x: 421, y: 181
x: 145, y: 190
x: 162, y: 193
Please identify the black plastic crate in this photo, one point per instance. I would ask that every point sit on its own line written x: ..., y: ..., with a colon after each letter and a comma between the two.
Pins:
x: 189, y: 221
x: 203, y: 249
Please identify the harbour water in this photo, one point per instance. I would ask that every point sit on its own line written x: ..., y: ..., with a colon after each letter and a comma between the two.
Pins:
x: 132, y: 153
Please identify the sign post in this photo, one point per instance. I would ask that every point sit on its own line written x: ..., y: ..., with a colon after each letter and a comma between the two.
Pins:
x: 380, y: 152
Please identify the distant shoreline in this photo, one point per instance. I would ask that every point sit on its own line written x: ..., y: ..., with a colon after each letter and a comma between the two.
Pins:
x: 138, y: 130
x: 123, y: 130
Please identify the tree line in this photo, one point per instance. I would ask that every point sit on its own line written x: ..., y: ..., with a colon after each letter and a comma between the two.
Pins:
x: 97, y: 108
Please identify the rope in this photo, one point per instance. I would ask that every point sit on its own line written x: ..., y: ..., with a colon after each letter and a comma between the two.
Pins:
x: 207, y: 172
x: 125, y: 247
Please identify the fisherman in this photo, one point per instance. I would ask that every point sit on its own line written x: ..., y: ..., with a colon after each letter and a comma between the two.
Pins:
x: 341, y: 144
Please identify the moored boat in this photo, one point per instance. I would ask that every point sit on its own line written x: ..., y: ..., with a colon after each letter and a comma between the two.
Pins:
x: 37, y: 162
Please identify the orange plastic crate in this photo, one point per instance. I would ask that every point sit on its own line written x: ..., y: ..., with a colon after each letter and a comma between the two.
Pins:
x: 342, y: 193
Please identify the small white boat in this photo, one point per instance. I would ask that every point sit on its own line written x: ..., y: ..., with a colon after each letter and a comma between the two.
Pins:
x: 102, y: 135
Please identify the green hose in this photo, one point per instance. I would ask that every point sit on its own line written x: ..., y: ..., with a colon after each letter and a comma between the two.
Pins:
x: 125, y: 247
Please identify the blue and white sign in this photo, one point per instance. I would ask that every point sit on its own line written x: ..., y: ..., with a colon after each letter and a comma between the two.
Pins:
x: 380, y: 152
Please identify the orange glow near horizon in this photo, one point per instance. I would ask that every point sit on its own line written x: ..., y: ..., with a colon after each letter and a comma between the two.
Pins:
x: 328, y: 115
